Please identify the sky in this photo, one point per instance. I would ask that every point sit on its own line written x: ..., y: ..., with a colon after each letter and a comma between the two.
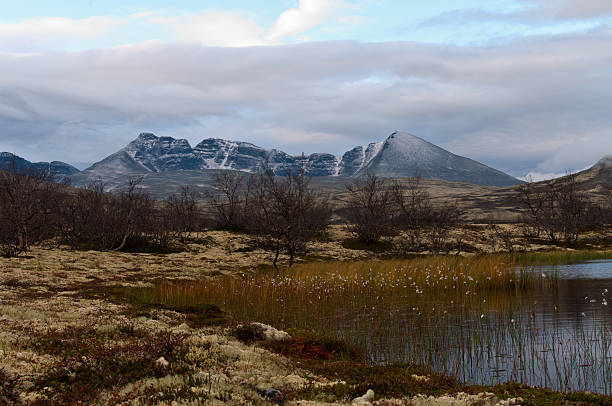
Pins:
x: 524, y: 86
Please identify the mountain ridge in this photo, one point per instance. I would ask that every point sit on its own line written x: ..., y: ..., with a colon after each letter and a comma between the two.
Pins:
x: 61, y: 170
x: 400, y: 155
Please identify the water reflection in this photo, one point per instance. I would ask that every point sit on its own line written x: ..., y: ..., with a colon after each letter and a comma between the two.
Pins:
x: 559, y: 338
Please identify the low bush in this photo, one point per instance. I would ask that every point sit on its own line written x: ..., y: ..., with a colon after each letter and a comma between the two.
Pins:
x: 247, y: 333
x: 90, y: 362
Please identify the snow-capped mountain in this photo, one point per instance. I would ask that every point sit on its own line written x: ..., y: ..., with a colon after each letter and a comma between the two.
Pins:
x: 400, y: 155
x: 403, y: 153
x: 61, y: 170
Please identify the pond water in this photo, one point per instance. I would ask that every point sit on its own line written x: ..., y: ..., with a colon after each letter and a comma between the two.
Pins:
x: 559, y: 338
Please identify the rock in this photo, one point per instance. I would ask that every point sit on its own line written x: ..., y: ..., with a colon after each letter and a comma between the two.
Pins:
x: 162, y: 363
x: 272, y: 334
x: 420, y: 378
x: 365, y: 399
x: 184, y: 327
x: 511, y: 402
x: 274, y: 395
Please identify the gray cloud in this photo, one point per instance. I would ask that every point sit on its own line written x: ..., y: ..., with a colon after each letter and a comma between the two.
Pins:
x: 570, y: 9
x: 539, y: 104
x: 533, y: 13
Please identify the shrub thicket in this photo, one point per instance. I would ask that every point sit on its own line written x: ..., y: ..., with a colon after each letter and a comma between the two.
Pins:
x: 556, y: 209
x: 29, y: 202
x: 379, y: 208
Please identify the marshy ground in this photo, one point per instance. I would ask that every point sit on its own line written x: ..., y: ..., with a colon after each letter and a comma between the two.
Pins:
x: 89, y: 327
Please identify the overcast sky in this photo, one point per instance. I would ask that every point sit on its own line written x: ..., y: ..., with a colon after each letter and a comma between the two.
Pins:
x: 520, y: 85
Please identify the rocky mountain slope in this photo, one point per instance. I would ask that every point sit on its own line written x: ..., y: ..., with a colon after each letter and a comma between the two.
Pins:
x: 61, y: 169
x: 401, y: 155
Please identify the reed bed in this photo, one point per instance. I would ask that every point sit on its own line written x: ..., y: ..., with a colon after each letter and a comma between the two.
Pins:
x: 485, y: 319
x: 552, y: 258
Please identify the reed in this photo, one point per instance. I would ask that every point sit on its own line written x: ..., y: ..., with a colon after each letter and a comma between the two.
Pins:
x: 478, y: 318
x: 560, y: 257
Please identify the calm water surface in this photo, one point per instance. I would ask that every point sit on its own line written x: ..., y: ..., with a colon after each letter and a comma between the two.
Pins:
x: 560, y: 338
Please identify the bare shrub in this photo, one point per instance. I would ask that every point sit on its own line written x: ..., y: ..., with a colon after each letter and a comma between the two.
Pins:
x: 440, y: 222
x: 284, y: 213
x: 88, y: 218
x: 28, y: 204
x: 93, y: 219
x: 182, y: 213
x: 555, y: 208
x: 228, y: 200
x: 371, y: 209
x: 414, y: 206
x: 423, y: 224
x: 503, y: 236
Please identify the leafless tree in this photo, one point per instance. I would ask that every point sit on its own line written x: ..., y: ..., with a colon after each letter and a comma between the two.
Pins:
x: 555, y: 208
x: 134, y: 205
x: 85, y: 217
x: 371, y: 208
x: 441, y: 221
x: 28, y: 201
x: 414, y: 206
x: 504, y: 237
x: 532, y: 199
x: 182, y: 213
x: 284, y: 213
x: 423, y: 224
x: 93, y: 219
x: 228, y: 199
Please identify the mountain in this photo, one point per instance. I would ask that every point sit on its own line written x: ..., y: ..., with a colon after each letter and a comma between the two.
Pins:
x: 61, y: 169
x: 405, y: 154
x: 597, y: 178
x: 400, y: 155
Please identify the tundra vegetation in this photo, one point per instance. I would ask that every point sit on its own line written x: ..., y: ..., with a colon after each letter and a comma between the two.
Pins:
x: 120, y: 301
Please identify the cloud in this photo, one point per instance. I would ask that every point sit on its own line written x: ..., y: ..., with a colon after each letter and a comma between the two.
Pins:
x: 236, y: 30
x: 231, y: 28
x: 538, y: 104
x: 537, y: 176
x: 309, y: 13
x: 215, y: 29
x: 533, y: 13
x: 50, y: 32
x: 569, y: 9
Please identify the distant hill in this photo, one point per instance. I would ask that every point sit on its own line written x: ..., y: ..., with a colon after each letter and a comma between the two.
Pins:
x: 400, y: 155
x: 61, y: 169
